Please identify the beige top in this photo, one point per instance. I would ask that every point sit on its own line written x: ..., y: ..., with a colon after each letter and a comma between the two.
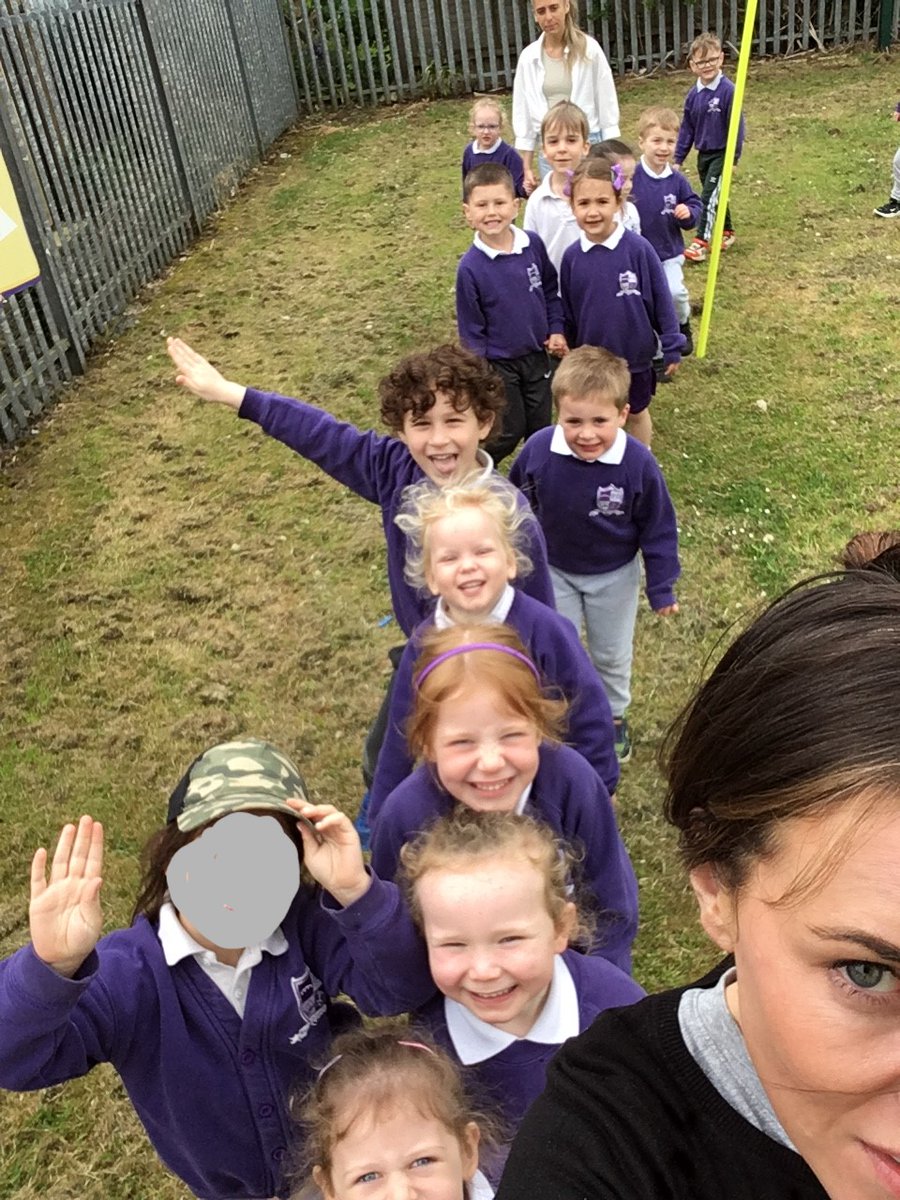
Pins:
x: 557, y: 80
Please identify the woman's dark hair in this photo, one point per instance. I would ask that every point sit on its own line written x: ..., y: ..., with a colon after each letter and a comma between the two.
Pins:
x: 801, y: 713
x: 162, y: 846
x: 466, y: 379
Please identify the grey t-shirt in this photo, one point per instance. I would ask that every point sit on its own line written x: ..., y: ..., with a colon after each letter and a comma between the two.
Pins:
x: 717, y: 1045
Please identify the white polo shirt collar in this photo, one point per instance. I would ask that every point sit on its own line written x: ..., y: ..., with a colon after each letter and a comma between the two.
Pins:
x: 614, y: 455
x: 663, y: 174
x: 476, y: 149
x: 475, y: 1040
x: 500, y: 611
x: 521, y: 241
x: 611, y: 242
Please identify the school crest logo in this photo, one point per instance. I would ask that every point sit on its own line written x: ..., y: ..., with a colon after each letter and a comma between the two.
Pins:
x: 714, y: 105
x: 668, y: 203
x: 310, y: 1001
x: 534, y: 277
x: 628, y: 284
x: 610, y: 501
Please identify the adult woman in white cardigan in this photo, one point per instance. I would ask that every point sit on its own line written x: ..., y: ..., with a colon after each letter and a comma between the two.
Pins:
x: 563, y: 64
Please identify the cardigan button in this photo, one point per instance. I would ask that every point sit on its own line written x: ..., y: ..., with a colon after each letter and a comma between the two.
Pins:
x: 265, y: 1110
x: 248, y: 1058
x: 278, y: 1154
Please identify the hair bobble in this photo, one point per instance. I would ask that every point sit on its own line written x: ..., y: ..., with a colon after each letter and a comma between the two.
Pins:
x: 618, y: 177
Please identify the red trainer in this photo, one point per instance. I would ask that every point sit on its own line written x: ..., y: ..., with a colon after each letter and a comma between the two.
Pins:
x: 697, y: 251
x: 728, y: 238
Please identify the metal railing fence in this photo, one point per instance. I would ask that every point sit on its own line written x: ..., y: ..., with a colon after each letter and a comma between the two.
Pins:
x: 124, y: 124
x: 372, y: 51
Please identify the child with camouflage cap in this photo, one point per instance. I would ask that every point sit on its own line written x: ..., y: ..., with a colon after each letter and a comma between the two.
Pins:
x: 216, y: 1000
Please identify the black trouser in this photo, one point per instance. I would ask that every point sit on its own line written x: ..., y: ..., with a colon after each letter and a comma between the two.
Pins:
x: 710, y: 164
x: 529, y: 406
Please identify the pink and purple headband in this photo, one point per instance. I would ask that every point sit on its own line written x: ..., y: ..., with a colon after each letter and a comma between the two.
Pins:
x: 465, y: 648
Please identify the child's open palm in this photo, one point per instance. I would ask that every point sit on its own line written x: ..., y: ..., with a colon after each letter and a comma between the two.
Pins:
x: 196, y: 374
x: 65, y: 915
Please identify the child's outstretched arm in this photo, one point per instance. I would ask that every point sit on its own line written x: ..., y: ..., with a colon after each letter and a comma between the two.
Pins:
x: 197, y: 375
x: 64, y: 916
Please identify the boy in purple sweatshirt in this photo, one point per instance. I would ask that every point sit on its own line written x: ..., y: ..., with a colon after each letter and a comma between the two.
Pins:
x: 707, y: 113
x: 667, y: 204
x: 600, y: 498
x: 507, y: 303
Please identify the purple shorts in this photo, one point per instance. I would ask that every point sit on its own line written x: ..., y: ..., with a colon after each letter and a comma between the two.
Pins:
x: 643, y: 387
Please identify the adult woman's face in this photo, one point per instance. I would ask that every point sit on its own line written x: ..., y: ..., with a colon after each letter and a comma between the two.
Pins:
x: 817, y: 994
x: 551, y: 15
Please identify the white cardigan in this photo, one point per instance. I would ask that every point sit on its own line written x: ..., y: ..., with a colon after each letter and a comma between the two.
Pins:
x: 593, y: 90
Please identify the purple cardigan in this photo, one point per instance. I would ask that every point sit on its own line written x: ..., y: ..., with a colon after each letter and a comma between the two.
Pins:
x: 211, y: 1088
x: 569, y: 797
x: 378, y: 468
x: 506, y: 155
x: 563, y: 662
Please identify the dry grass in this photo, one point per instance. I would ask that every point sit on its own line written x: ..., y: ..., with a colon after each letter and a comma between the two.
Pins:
x: 170, y: 577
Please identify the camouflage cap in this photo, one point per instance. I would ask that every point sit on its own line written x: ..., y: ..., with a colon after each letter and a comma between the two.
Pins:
x: 234, y: 777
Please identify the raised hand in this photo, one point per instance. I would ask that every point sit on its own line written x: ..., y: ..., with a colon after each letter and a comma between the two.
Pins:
x: 332, y: 852
x: 197, y: 375
x: 65, y: 915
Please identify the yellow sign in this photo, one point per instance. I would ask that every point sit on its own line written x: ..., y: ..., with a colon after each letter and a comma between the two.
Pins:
x: 18, y: 265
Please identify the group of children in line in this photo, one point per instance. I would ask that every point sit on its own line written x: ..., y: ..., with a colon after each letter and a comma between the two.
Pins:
x: 599, y: 258
x: 500, y: 905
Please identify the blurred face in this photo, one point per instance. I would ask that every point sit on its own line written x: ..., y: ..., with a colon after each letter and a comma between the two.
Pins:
x: 551, y: 16
x: 595, y: 205
x: 467, y: 563
x: 490, y: 210
x: 491, y: 941
x: 590, y: 423
x: 817, y: 994
x: 658, y: 145
x: 444, y: 441
x: 707, y: 64
x: 400, y: 1154
x: 484, y: 754
x: 486, y: 126
x: 627, y: 163
x: 564, y: 148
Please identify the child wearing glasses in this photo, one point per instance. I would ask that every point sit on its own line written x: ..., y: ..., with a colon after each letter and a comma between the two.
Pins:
x: 707, y: 113
x: 486, y: 122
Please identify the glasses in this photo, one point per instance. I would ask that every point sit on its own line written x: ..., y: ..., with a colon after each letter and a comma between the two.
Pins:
x: 706, y: 62
x: 487, y: 128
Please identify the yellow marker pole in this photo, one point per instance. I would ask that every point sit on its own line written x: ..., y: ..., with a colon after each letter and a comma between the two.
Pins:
x: 18, y: 265
x: 725, y: 182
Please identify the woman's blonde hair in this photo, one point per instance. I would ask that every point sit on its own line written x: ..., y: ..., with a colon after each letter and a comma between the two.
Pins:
x: 487, y: 102
x: 465, y: 836
x: 424, y: 504
x: 507, y: 671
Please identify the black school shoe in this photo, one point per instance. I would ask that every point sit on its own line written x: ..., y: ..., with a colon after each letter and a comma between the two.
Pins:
x: 891, y: 209
x: 688, y: 339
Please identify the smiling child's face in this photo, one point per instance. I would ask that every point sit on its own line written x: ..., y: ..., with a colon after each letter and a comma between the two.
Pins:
x: 443, y: 440
x: 595, y: 203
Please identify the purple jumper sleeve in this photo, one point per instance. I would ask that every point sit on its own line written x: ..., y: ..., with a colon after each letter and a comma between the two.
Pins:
x: 394, y: 759
x: 654, y: 516
x: 661, y: 311
x: 685, y: 131
x: 570, y: 326
x: 362, y: 461
x: 741, y: 128
x: 687, y: 195
x: 471, y: 320
x: 537, y: 583
x: 550, y: 286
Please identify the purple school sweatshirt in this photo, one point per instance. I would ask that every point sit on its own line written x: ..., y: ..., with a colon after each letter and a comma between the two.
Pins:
x: 510, y: 1080
x: 563, y: 662
x: 377, y: 468
x: 211, y: 1088
x: 506, y: 155
x: 619, y: 298
x: 656, y: 198
x: 568, y: 796
x: 596, y: 516
x: 507, y: 305
x: 707, y: 112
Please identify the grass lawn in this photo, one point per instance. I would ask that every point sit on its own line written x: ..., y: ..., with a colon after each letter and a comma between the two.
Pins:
x: 170, y: 578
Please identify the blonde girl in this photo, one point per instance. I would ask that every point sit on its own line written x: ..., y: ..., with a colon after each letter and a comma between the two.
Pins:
x: 491, y: 895
x: 488, y: 736
x: 389, y: 1116
x: 486, y: 123
x: 465, y: 547
x: 563, y: 64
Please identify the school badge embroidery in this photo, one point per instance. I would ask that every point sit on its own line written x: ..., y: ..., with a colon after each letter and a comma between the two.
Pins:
x: 713, y: 105
x: 609, y: 502
x: 628, y: 284
x: 534, y: 277
x: 310, y: 1001
x: 668, y: 204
